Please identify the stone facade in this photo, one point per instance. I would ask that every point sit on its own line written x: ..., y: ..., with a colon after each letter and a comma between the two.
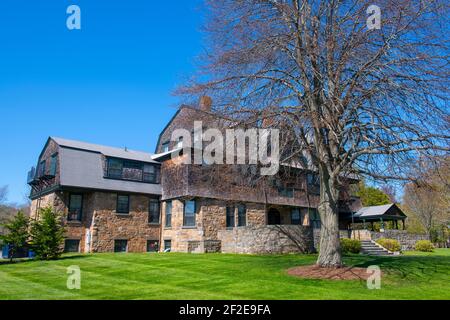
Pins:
x: 100, y: 225
x: 133, y: 227
x: 210, y: 220
x: 267, y: 240
x: 213, y: 187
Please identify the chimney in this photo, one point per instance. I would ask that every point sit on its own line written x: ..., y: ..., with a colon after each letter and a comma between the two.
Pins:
x: 205, y: 103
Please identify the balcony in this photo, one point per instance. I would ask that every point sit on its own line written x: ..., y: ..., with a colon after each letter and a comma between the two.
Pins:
x: 32, y: 178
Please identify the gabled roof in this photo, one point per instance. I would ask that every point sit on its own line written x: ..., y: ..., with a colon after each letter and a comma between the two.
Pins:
x: 169, y: 123
x: 184, y: 106
x: 379, y: 211
x: 105, y: 150
x: 82, y: 166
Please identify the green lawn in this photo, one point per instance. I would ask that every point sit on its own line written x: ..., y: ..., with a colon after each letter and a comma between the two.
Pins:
x: 216, y: 276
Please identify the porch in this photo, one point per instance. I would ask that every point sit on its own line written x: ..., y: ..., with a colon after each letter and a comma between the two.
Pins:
x: 368, y: 216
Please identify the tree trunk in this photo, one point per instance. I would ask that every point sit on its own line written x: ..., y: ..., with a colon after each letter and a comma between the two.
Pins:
x: 330, y: 247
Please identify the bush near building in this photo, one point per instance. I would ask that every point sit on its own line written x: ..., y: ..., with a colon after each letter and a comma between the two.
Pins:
x: 350, y: 246
x: 424, y: 246
x: 47, y: 235
x: 390, y: 244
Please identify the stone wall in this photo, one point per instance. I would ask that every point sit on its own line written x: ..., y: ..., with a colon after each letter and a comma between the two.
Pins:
x: 100, y: 225
x: 316, y: 235
x: 407, y: 240
x: 267, y: 240
x: 107, y: 225
x: 179, y: 235
x: 40, y: 203
x: 210, y: 220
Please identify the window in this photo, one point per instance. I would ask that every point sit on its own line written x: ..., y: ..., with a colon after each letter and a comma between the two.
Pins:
x: 120, y: 245
x: 42, y: 169
x: 314, y: 218
x: 230, y: 217
x: 313, y: 179
x: 189, y: 213
x: 149, y: 173
x: 75, y: 207
x: 115, y: 168
x: 167, y: 245
x: 152, y: 246
x: 53, y: 164
x: 131, y: 170
x: 166, y: 146
x: 153, y: 211
x: 296, y: 217
x: 286, y: 191
x: 242, y: 216
x: 180, y: 142
x: 313, y: 183
x: 168, y: 214
x: 72, y: 246
x: 123, y: 204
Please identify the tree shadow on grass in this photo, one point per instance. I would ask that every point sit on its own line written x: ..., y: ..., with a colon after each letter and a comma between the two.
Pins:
x: 406, y: 267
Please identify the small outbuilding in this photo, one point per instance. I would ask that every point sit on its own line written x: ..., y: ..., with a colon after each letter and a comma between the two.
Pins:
x: 382, y: 214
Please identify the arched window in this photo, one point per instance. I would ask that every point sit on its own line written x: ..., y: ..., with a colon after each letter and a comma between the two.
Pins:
x: 274, y: 217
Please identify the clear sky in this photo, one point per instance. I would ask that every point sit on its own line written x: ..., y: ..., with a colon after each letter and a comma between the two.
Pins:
x: 109, y: 83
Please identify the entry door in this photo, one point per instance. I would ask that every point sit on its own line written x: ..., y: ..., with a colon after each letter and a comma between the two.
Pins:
x: 274, y: 217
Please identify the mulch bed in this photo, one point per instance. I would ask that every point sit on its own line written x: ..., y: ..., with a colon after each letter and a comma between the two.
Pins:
x: 316, y: 272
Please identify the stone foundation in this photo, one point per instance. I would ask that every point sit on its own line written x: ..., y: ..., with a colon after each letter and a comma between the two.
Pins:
x: 316, y: 235
x: 267, y: 240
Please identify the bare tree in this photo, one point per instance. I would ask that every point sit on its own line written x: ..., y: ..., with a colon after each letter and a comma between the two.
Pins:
x: 428, y: 197
x: 3, y: 194
x: 359, y: 102
x: 390, y: 191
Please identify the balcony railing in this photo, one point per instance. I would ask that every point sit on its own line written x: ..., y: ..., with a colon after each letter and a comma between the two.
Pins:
x: 32, y: 177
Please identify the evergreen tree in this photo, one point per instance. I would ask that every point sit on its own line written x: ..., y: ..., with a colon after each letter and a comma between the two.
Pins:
x: 16, y: 234
x: 371, y: 196
x: 47, y: 235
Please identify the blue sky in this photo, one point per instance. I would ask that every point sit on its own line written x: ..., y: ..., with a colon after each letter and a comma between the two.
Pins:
x: 109, y: 83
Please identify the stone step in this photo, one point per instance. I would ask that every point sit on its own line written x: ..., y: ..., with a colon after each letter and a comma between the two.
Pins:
x: 378, y: 254
x: 372, y: 249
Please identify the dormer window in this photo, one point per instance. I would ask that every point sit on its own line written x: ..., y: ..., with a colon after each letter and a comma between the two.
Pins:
x: 166, y: 146
x: 53, y: 164
x: 132, y: 170
x: 42, y: 169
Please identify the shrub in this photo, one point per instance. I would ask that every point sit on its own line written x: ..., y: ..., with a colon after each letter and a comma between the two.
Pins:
x: 390, y: 244
x: 16, y: 234
x: 47, y: 235
x: 424, y: 246
x: 350, y: 246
